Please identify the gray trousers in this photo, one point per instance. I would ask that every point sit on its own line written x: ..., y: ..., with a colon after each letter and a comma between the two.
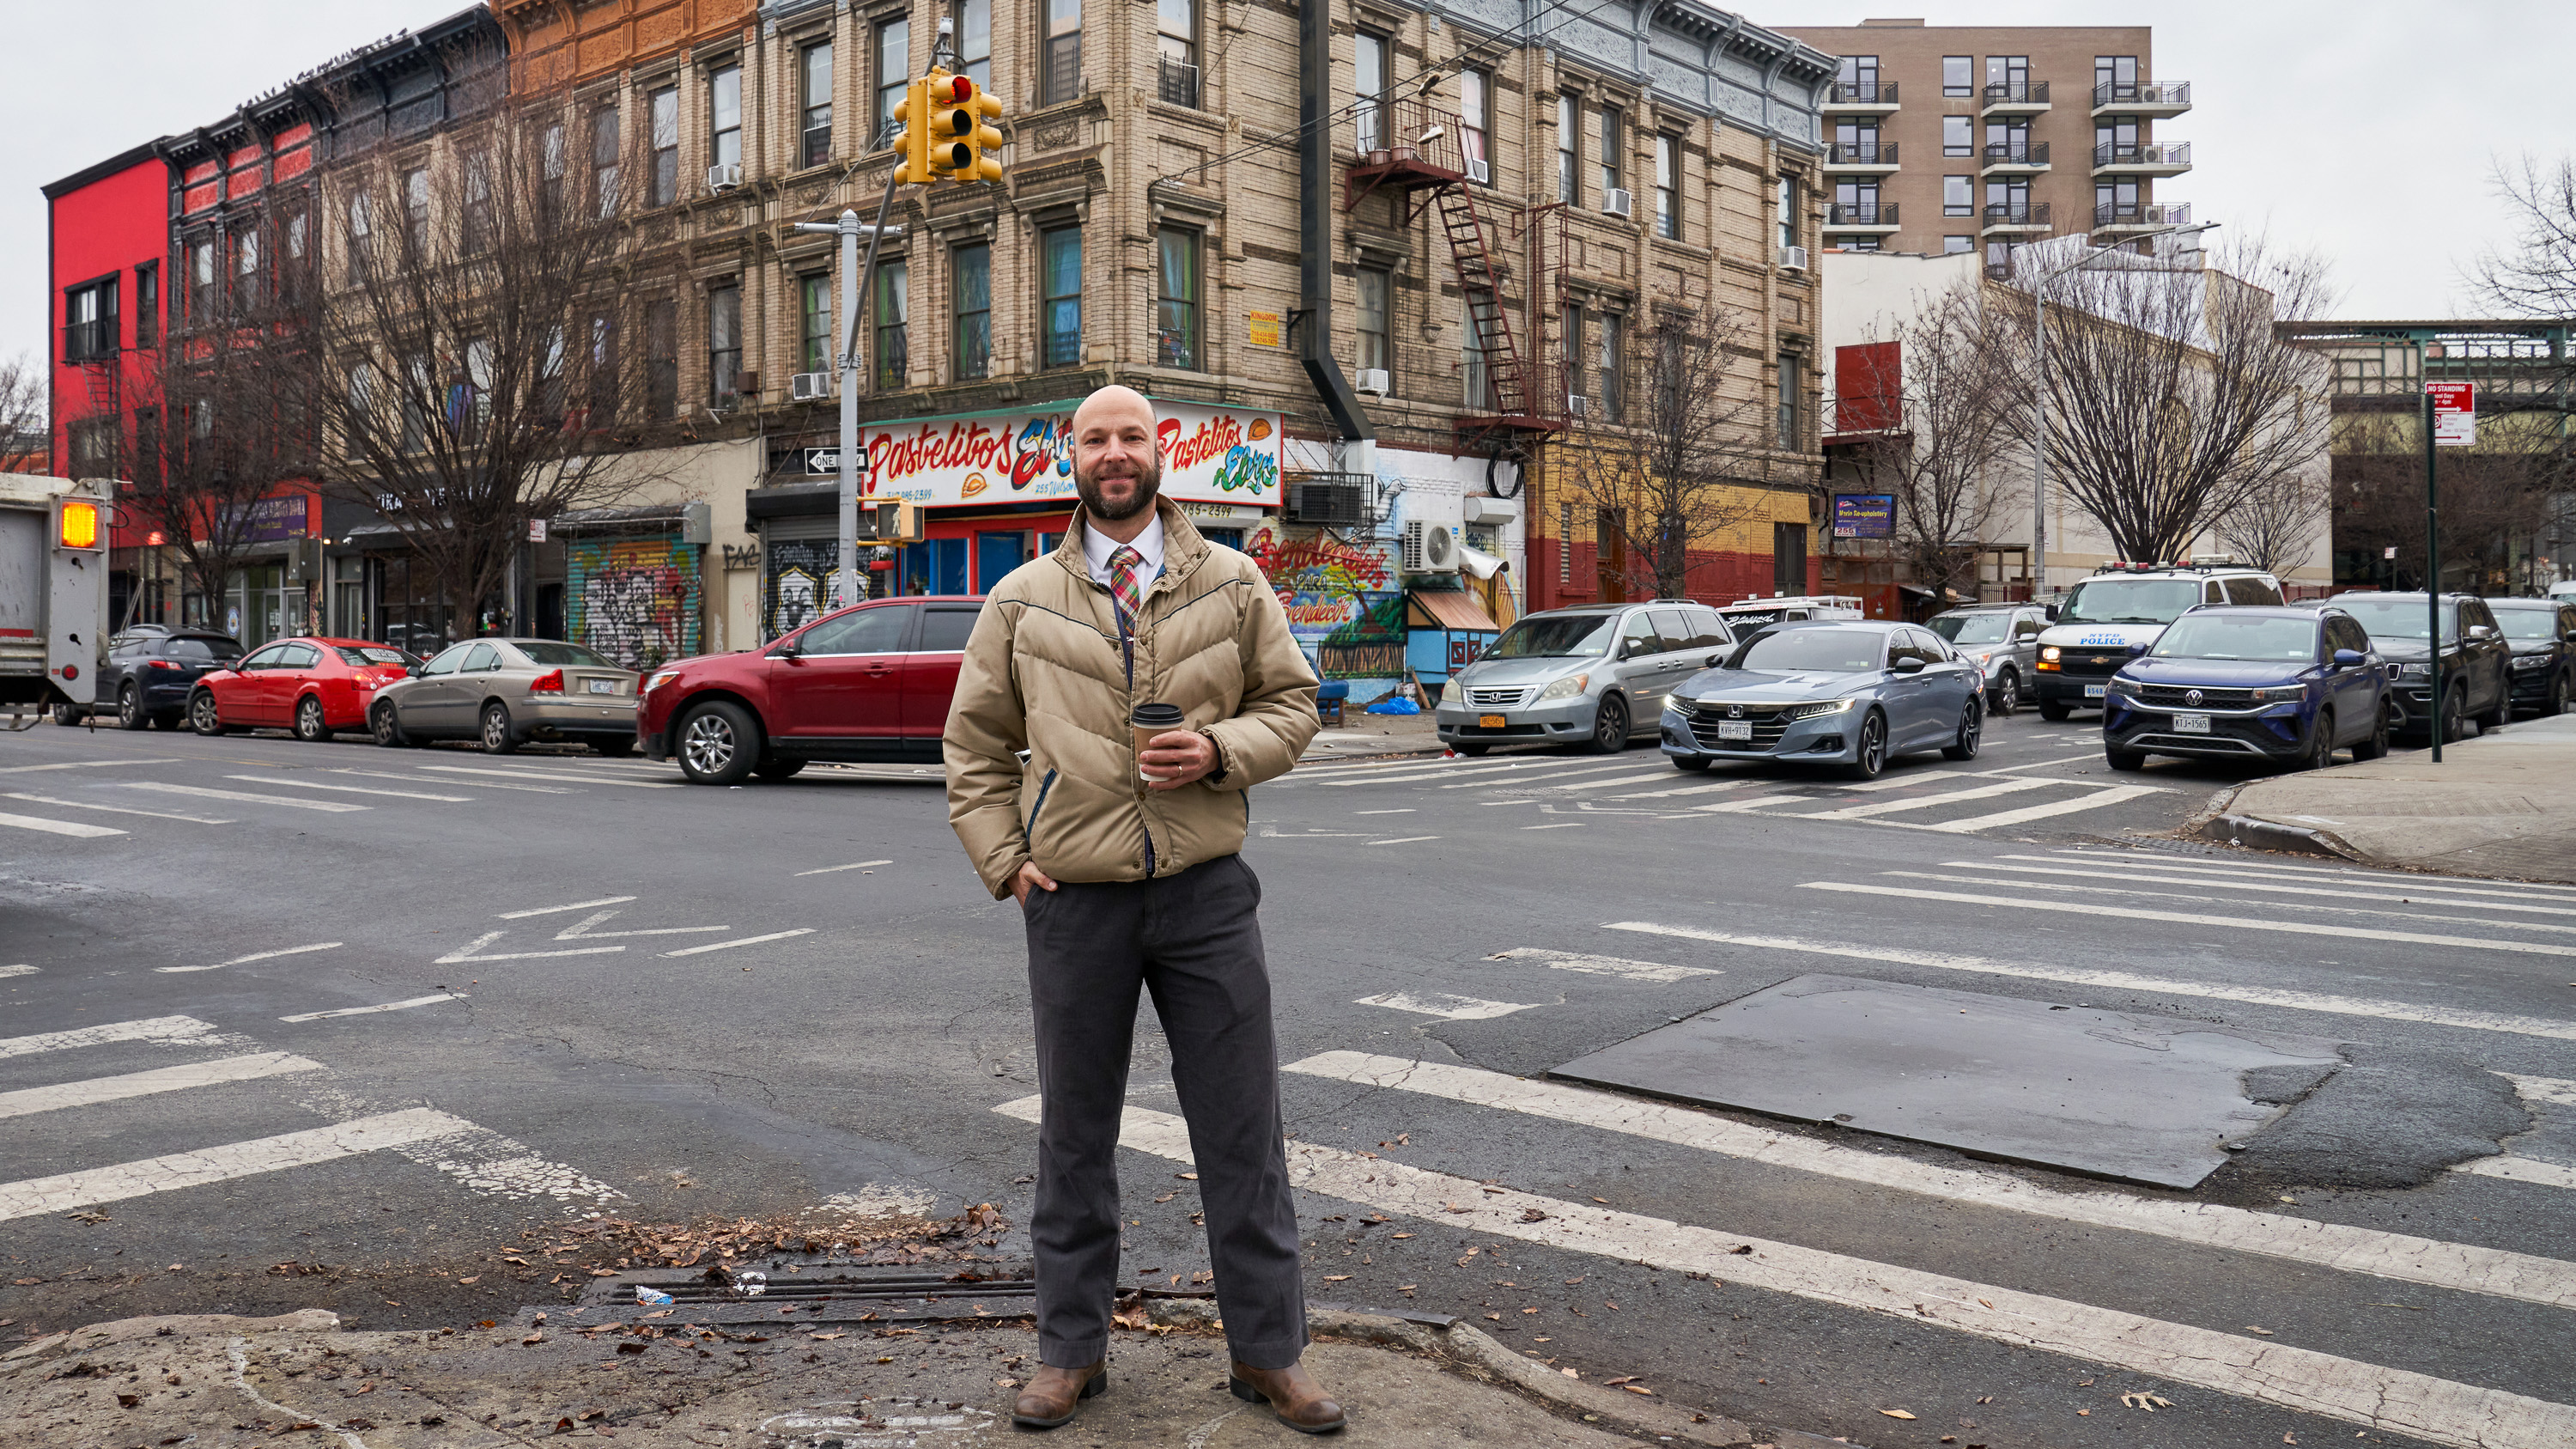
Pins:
x: 1194, y: 941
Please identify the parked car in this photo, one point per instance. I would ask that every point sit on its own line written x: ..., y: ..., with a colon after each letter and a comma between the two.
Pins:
x: 867, y: 683
x: 2000, y: 639
x: 1594, y: 675
x: 312, y: 686
x: 148, y: 670
x: 2542, y: 636
x: 2287, y: 685
x: 2124, y: 604
x: 1854, y: 693
x: 2476, y: 660
x: 506, y: 692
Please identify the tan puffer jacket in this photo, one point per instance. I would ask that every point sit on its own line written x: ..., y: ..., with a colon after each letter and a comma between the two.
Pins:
x: 1046, y: 672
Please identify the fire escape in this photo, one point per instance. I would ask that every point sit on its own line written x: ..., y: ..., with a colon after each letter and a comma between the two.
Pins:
x: 91, y: 346
x: 1420, y: 154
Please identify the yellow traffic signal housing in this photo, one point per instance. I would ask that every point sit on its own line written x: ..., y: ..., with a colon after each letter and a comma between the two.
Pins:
x: 959, y: 133
x: 912, y: 115
x: 889, y: 521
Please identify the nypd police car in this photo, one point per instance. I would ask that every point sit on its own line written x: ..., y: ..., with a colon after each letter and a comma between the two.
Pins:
x: 2124, y: 604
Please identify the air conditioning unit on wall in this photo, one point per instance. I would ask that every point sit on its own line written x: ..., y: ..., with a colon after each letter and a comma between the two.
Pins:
x: 1330, y: 505
x: 1429, y: 547
x: 1480, y: 171
x: 721, y: 179
x: 810, y: 386
x: 1617, y: 202
x: 1793, y: 259
x: 1577, y: 405
x: 1373, y: 380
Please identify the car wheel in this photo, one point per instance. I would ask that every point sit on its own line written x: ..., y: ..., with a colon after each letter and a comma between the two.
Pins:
x: 2007, y: 693
x: 309, y: 724
x: 775, y: 769
x: 2124, y: 760
x: 2556, y: 701
x: 719, y: 743
x: 1470, y: 751
x: 2053, y: 712
x: 386, y: 727
x: 204, y: 716
x: 1690, y: 762
x: 129, y: 709
x: 1871, y: 758
x: 67, y: 714
x: 498, y: 737
x: 1972, y: 728
x: 2319, y: 750
x: 2502, y: 713
x: 2455, y: 725
x: 2376, y: 747
x: 1609, y: 727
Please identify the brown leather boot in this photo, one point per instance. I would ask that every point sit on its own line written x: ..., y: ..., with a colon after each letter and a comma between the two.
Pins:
x: 1292, y: 1394
x: 1053, y: 1394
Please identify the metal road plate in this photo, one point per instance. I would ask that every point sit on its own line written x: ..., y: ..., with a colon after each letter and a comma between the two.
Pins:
x: 2122, y: 1095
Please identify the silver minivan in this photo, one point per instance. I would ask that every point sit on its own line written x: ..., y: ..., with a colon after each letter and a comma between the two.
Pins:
x: 2002, y: 640
x: 1594, y: 676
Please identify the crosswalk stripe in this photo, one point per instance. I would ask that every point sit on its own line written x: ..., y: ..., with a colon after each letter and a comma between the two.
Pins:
x: 2097, y: 890
x: 1739, y: 807
x: 2267, y: 1370
x: 2194, y: 918
x: 2128, y: 981
x: 2557, y: 1091
x: 21, y: 969
x: 1401, y: 774
x: 64, y: 1191
x: 253, y: 956
x: 744, y: 941
x: 1442, y: 1004
x: 1664, y: 774
x: 2110, y: 795
x: 2513, y: 1167
x: 77, y: 829
x: 1534, y: 779
x: 1910, y: 778
x: 2464, y: 1267
x: 1685, y: 790
x: 2160, y: 861
x: 565, y: 777
x: 1923, y: 802
x: 2185, y: 875
x: 30, y: 1100
x: 338, y: 1012
x: 87, y: 765
x: 207, y: 792
x: 1590, y: 965
x: 114, y: 809
x: 435, y: 780
x: 151, y: 1028
x: 345, y: 789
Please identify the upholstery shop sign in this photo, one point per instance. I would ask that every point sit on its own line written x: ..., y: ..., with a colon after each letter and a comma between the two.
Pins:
x: 1210, y: 455
x: 1864, y: 515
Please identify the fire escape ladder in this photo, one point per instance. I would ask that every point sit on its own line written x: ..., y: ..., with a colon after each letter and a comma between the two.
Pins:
x: 1505, y: 380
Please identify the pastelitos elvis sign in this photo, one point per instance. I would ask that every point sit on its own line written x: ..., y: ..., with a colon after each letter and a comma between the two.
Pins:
x: 1210, y: 455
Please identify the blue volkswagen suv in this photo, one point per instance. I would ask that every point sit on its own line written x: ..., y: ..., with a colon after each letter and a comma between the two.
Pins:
x: 2283, y: 685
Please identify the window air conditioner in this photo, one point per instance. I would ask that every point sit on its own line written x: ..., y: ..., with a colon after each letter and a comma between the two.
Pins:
x: 810, y: 386
x: 1373, y: 380
x: 721, y: 179
x: 1793, y: 258
x: 1332, y: 505
x: 1616, y: 202
x: 1480, y: 171
x: 1577, y: 405
x: 746, y: 384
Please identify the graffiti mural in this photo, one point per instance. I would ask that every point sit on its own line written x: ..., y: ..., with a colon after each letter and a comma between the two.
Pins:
x: 1370, y: 645
x: 796, y: 579
x: 1320, y: 580
x: 634, y: 600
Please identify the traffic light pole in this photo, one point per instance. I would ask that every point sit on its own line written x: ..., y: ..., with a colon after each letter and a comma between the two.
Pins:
x: 854, y: 283
x: 2433, y: 571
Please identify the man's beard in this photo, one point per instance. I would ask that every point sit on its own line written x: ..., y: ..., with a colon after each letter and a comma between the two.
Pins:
x: 1148, y: 480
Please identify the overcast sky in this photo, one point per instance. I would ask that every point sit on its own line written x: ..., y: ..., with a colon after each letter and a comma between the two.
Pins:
x: 2363, y: 129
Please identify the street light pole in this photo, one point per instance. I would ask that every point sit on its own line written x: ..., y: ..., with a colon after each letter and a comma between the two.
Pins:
x: 854, y: 275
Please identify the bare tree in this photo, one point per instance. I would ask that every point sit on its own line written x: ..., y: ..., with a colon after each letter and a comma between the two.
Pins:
x: 1682, y: 464
x: 2170, y: 399
x: 22, y: 411
x: 2494, y: 496
x: 1937, y: 410
x: 219, y: 432
x: 2535, y: 274
x: 2272, y: 526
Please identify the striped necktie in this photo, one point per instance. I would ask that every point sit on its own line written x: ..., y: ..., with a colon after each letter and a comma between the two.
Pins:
x: 1123, y: 583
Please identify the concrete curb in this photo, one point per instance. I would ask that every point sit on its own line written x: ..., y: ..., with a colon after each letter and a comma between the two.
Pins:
x: 1466, y: 1350
x: 172, y: 1325
x: 2218, y: 823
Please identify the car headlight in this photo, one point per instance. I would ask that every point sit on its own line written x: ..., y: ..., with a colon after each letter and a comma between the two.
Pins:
x: 2279, y: 693
x: 2531, y: 661
x: 658, y: 680
x: 2050, y: 654
x: 2415, y: 671
x: 1830, y: 706
x: 1566, y: 688
x: 2121, y: 684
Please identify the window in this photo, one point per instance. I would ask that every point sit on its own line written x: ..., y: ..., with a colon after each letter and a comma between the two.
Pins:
x: 1953, y: 245
x: 1475, y: 330
x: 2008, y: 76
x: 1569, y: 142
x: 1958, y: 76
x: 478, y: 203
x: 1859, y: 78
x: 473, y: 411
x: 606, y: 369
x: 2115, y: 78
x: 603, y: 160
x: 1857, y: 142
x: 2115, y: 202
x: 1574, y: 356
x: 1958, y: 136
x: 1060, y: 296
x: 93, y: 448
x: 415, y: 418
x: 893, y: 322
x: 1958, y: 196
x: 2115, y: 140
x: 147, y: 300
x: 1668, y: 177
x: 1613, y: 149
x: 245, y: 287
x: 551, y: 162
x: 1373, y: 322
x: 661, y: 359
x: 2008, y: 201
x: 1368, y: 89
x: 724, y: 343
x: 1176, y: 32
x: 971, y: 272
x: 1176, y: 308
x: 1060, y: 52
x: 147, y: 446
x: 975, y: 42
x: 1855, y: 243
x: 894, y: 73
x: 724, y: 116
x: 814, y: 104
x: 1788, y: 211
x: 814, y: 351
x: 662, y: 113
x: 1613, y: 366
x: 89, y: 321
x: 416, y: 210
x: 1791, y: 379
x: 201, y: 262
x: 362, y: 399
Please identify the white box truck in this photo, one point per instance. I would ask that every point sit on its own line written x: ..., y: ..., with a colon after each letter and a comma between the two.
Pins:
x: 53, y: 592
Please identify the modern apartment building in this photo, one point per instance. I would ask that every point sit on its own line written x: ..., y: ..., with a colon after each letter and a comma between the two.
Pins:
x: 1980, y: 139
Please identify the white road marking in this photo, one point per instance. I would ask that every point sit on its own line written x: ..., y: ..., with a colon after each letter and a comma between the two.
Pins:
x: 209, y: 793
x: 581, y: 930
x: 31, y: 1100
x: 370, y: 1010
x: 2131, y: 981
x: 1921, y: 802
x: 19, y: 970
x: 2555, y: 1090
x: 2399, y: 1256
x: 2394, y: 1400
x: 2185, y: 875
x: 548, y: 775
x: 559, y: 910
x: 1560, y: 825
x: 856, y: 865
x: 345, y: 789
x: 2109, y: 795
x: 1740, y: 807
x: 85, y: 765
x: 1685, y: 790
x: 1618, y: 966
x: 1406, y: 810
x: 745, y: 941
x: 1405, y: 840
x: 253, y: 956
x: 2502, y: 889
x: 2100, y: 890
x: 151, y: 1028
x: 1442, y: 1004
x: 68, y: 1190
x: 435, y: 780
x: 1899, y: 782
x: 466, y: 952
x: 113, y: 809
x: 1404, y: 769
x: 72, y: 828
x: 2193, y: 918
x: 2512, y: 1167
x: 1534, y: 779
x: 1663, y: 774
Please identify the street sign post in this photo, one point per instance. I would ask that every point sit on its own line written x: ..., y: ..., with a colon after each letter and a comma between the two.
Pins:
x: 2450, y: 421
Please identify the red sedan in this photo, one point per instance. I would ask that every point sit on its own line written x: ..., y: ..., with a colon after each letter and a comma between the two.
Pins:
x: 311, y: 686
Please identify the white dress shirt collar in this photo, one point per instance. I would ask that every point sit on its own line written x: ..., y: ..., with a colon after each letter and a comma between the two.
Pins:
x: 1097, y: 547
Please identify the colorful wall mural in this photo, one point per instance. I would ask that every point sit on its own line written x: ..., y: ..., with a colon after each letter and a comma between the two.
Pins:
x: 634, y: 600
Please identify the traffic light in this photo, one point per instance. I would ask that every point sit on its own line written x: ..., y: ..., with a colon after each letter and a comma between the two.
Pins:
x: 912, y: 136
x: 959, y: 136
x: 889, y: 520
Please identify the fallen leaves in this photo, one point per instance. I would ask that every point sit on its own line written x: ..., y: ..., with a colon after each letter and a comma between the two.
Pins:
x: 533, y: 1338
x: 1186, y: 1176
x: 1896, y: 1413
x: 1532, y: 1215
x: 2147, y: 1401
x: 1337, y: 1277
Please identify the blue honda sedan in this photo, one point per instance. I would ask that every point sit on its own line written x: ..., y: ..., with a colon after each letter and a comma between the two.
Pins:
x: 1853, y: 693
x: 2281, y: 685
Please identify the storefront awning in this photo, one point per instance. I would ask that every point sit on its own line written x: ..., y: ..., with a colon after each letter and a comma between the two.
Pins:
x: 1457, y: 610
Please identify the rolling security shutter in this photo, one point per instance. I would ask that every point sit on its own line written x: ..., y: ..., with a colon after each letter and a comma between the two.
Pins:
x: 637, y: 601
x: 797, y: 554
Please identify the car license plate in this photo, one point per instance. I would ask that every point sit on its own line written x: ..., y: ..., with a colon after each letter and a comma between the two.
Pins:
x: 1735, y: 729
x: 1489, y: 721
x: 2191, y: 724
x: 2095, y: 691
x: 603, y: 686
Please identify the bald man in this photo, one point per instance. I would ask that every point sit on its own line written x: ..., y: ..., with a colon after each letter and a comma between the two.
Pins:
x: 1126, y: 862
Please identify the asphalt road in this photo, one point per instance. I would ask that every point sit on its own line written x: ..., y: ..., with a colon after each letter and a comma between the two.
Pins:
x: 575, y: 985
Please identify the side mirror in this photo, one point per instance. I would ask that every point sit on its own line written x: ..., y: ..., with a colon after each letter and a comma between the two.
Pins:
x: 2481, y: 631
x: 2052, y: 613
x: 1632, y: 648
x: 787, y: 649
x: 411, y: 671
x: 1907, y: 664
x: 1715, y: 661
x: 2349, y: 659
x: 2137, y: 651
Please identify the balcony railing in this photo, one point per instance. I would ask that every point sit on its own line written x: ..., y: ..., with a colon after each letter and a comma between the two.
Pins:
x: 2017, y: 93
x: 1180, y: 83
x: 87, y: 341
x: 1862, y: 93
x: 2155, y: 97
x: 2140, y: 214
x: 2016, y: 213
x: 1407, y: 133
x: 1860, y: 213
x: 2109, y: 154
x: 2016, y: 153
x: 1861, y: 153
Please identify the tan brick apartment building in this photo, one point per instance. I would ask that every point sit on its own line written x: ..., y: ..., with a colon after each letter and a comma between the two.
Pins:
x: 1971, y: 138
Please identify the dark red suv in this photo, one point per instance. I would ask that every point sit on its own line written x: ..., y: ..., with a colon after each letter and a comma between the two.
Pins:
x: 869, y: 684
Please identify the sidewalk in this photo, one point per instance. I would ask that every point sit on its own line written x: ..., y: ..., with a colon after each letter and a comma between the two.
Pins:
x: 220, y: 1382
x: 2503, y: 804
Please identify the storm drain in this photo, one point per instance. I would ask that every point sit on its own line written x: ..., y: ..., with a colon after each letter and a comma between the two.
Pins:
x: 801, y: 1290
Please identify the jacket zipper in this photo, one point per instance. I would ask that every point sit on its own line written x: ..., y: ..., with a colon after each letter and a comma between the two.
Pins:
x: 1031, y: 832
